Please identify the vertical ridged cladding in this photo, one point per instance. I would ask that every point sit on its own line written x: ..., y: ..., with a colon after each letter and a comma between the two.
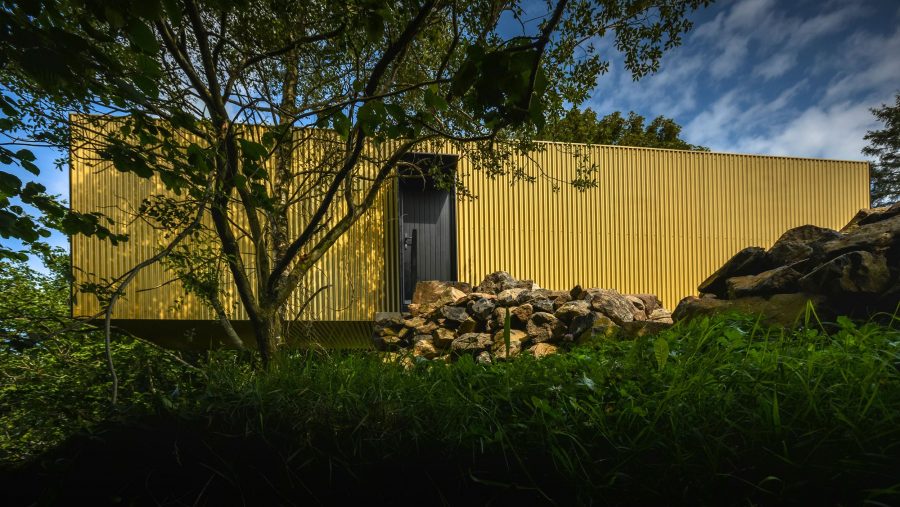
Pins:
x: 658, y: 221
x: 352, y: 272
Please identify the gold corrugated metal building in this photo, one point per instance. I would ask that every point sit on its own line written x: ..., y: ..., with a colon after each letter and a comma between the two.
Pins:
x: 658, y: 221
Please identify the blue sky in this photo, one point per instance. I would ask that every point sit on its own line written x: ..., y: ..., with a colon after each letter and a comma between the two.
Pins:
x: 754, y: 76
x: 772, y: 77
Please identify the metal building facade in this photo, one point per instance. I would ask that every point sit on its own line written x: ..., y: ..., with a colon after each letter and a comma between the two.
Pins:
x: 658, y: 221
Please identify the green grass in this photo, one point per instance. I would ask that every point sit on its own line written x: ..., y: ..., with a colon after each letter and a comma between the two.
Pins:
x: 721, y: 411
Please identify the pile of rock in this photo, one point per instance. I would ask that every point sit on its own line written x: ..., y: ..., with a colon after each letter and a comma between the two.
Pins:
x: 853, y: 272
x: 453, y: 319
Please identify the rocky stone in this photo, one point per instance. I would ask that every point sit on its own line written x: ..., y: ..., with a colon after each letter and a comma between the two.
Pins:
x: 433, y: 293
x: 572, y: 309
x: 424, y: 348
x: 547, y: 294
x: 577, y: 293
x: 543, y: 327
x: 783, y: 309
x: 651, y: 302
x: 660, y: 315
x: 483, y: 358
x: 561, y: 300
x: 849, y: 274
x: 426, y: 328
x: 467, y: 326
x: 471, y: 343
x: 516, y: 340
x: 613, y: 305
x: 806, y: 234
x: 519, y: 315
x: 388, y: 319
x: 482, y: 307
x: 540, y: 350
x: 749, y: 261
x: 420, y: 337
x: 414, y: 322
x: 636, y: 302
x: 783, y: 280
x: 509, y: 297
x: 872, y: 215
x: 499, y: 281
x: 870, y: 237
x: 789, y: 252
x: 443, y: 337
x: 581, y: 323
x: 542, y: 304
x: 454, y: 315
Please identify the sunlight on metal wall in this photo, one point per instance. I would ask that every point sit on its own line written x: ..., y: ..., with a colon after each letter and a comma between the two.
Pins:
x: 658, y: 221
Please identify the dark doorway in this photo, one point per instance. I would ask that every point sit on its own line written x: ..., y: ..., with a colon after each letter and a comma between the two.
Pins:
x: 427, y: 221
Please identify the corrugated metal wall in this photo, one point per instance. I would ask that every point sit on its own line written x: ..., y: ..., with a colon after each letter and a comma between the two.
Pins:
x: 659, y: 221
x: 353, y: 270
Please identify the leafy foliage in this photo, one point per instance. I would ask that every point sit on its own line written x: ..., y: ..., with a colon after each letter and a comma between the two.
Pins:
x: 223, y: 100
x: 884, y: 144
x: 735, y: 411
x: 33, y: 304
x: 579, y: 126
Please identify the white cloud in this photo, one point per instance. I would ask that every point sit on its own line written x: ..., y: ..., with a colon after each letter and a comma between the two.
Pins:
x: 833, y: 132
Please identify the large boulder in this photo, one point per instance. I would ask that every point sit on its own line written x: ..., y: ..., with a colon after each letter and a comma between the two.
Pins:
x: 781, y: 280
x: 871, y: 215
x: 879, y: 235
x: 749, y: 261
x: 499, y: 281
x: 849, y: 274
x: 783, y: 309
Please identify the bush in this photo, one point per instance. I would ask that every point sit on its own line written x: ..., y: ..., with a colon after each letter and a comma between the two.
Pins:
x: 720, y: 411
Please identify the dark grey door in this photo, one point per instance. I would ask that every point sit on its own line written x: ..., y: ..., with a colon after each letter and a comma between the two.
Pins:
x: 427, y: 222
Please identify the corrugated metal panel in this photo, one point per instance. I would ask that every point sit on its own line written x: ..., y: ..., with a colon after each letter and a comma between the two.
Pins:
x: 353, y: 270
x: 659, y: 221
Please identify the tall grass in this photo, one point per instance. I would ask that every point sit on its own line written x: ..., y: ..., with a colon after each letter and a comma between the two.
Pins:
x: 717, y: 411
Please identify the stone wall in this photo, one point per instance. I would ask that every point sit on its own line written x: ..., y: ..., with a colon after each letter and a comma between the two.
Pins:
x: 451, y: 319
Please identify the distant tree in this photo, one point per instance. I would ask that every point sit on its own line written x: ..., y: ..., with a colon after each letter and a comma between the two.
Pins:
x: 34, y: 304
x: 579, y: 126
x: 884, y: 144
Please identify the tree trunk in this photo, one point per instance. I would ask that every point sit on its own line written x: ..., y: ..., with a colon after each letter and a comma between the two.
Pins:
x: 268, y: 331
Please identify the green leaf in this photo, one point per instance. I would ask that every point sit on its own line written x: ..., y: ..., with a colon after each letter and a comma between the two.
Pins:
x: 661, y: 352
x: 434, y: 100
x: 252, y: 150
x: 10, y: 185
x: 30, y: 167
x: 142, y: 36
x: 25, y: 155
x: 341, y: 124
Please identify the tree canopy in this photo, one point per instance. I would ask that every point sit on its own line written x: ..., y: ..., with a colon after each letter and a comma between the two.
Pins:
x: 582, y: 126
x: 220, y: 99
x: 884, y: 145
